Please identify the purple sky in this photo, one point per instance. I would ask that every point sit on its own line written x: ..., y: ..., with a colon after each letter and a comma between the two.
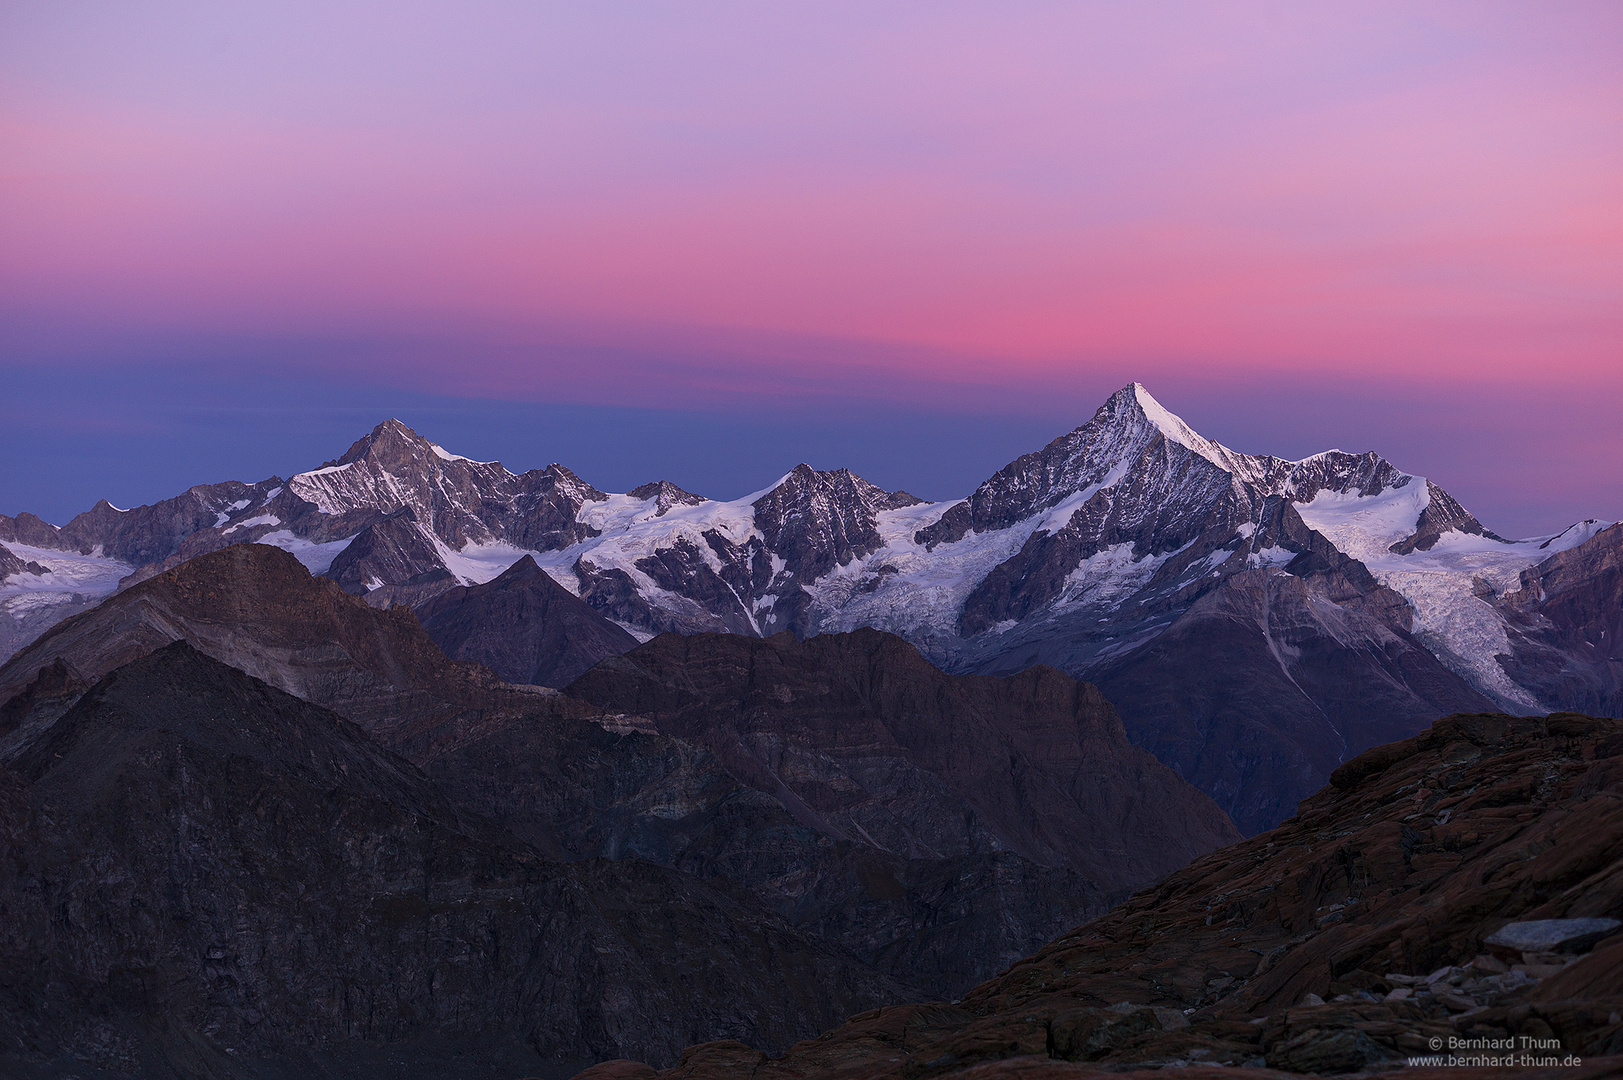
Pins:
x: 914, y: 239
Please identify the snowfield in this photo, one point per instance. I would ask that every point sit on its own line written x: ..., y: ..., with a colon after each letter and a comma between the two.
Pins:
x: 30, y: 604
x: 1442, y: 585
x: 315, y: 557
x: 70, y: 572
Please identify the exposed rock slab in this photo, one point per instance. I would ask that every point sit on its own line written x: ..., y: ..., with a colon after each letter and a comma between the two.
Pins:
x: 390, y: 552
x: 576, y: 790
x: 1552, y: 935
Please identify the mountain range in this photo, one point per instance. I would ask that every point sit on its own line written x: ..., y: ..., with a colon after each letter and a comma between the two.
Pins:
x: 1256, y: 621
x: 414, y: 766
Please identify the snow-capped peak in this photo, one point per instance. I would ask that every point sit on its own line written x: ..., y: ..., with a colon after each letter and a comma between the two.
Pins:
x: 1170, y: 424
x: 1176, y: 430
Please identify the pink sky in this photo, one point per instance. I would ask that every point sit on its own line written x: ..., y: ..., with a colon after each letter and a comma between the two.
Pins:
x: 961, y: 206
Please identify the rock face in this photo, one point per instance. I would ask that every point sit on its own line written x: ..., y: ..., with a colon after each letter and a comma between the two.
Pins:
x: 142, y: 535
x: 1566, y: 626
x: 392, y: 551
x: 203, y: 875
x: 39, y: 705
x: 816, y: 521
x: 458, y: 500
x: 581, y: 790
x: 864, y: 739
x: 523, y: 626
x: 11, y: 564
x: 666, y: 495
x: 1348, y: 938
x: 740, y: 567
x: 934, y: 826
x: 1368, y: 599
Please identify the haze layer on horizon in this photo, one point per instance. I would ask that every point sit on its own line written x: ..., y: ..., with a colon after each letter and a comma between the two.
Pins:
x: 914, y: 240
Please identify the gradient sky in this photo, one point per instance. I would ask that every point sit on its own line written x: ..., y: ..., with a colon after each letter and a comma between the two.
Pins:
x: 707, y: 241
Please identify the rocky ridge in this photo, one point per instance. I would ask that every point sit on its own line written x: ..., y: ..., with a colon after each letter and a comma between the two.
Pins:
x: 258, y: 609
x: 1565, y: 625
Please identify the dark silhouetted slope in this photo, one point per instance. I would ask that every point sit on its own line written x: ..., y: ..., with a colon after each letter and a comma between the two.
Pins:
x: 523, y: 626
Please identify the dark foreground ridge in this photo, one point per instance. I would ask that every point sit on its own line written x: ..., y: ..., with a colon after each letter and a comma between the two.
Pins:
x: 258, y: 609
x: 203, y: 876
x: 1389, y: 913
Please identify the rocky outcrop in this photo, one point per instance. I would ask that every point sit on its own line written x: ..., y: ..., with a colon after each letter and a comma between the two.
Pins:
x: 1442, y: 514
x: 1364, y: 930
x: 523, y: 626
x: 863, y: 739
x: 11, y: 564
x: 612, y: 591
x: 204, y: 876
x: 711, y: 575
x: 665, y: 495
x: 39, y: 705
x: 29, y: 529
x: 144, y: 534
x: 815, y: 521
